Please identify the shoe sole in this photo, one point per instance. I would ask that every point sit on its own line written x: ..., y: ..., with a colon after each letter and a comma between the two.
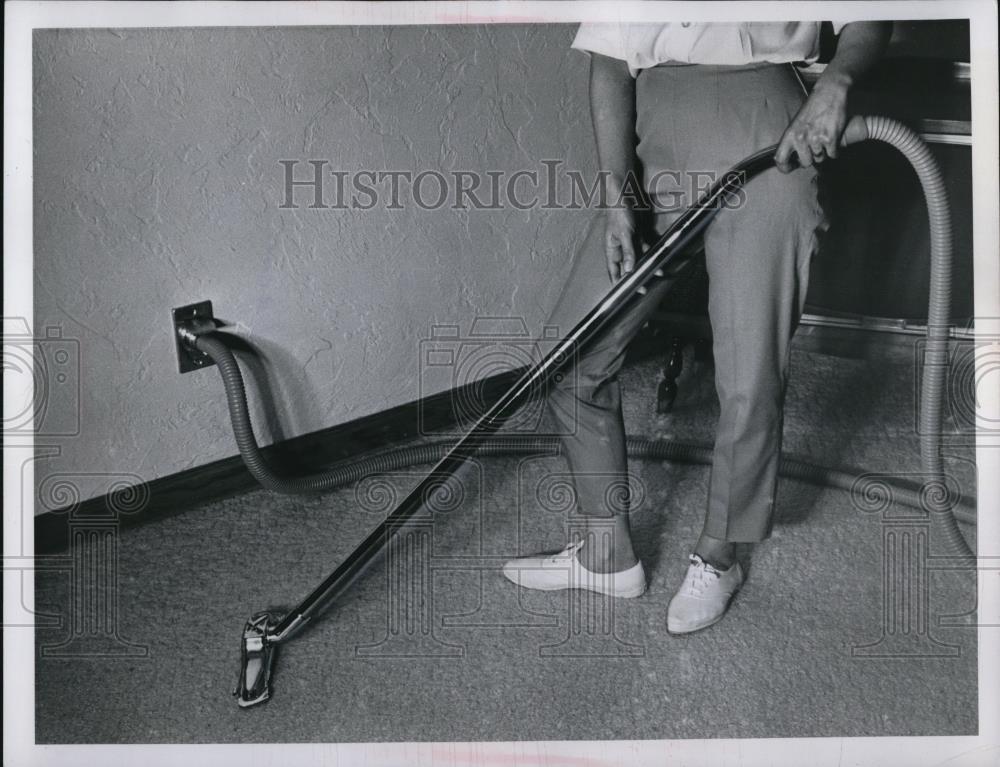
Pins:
x: 624, y: 595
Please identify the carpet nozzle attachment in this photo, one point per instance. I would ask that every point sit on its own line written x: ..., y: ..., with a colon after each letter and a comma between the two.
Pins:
x: 257, y: 653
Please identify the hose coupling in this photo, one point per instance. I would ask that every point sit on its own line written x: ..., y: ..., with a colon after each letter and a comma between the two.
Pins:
x: 189, y: 330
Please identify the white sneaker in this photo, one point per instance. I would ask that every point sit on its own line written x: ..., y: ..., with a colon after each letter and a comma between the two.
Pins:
x: 703, y: 597
x: 564, y: 571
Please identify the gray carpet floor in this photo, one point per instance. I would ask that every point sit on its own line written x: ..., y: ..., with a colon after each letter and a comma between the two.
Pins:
x: 473, y: 658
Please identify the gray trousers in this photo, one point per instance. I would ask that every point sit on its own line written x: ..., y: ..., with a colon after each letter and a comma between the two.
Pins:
x: 694, y: 123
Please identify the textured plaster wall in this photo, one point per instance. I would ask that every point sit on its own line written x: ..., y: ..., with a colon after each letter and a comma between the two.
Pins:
x: 157, y: 184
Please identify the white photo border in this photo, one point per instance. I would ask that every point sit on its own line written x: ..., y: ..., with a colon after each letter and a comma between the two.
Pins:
x: 18, y: 661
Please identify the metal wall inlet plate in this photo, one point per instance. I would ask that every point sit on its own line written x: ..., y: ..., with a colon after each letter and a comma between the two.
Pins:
x: 189, y: 359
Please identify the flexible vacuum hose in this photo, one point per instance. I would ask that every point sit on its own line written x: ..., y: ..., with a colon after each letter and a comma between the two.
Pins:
x: 932, y: 496
x: 935, y: 495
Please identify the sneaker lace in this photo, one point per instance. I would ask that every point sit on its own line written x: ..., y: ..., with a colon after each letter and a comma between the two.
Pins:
x: 699, y: 575
x: 568, y: 553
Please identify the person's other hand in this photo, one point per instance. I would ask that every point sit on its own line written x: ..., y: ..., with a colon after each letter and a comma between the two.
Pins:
x: 814, y: 133
x: 619, y: 242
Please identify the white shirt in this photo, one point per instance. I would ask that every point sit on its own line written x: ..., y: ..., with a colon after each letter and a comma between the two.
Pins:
x: 645, y: 45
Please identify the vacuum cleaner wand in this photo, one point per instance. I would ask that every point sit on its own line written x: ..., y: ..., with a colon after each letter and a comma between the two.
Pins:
x: 666, y: 250
x: 261, y: 636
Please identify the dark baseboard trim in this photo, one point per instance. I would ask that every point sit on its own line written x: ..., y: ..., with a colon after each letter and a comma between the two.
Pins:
x: 309, y: 453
